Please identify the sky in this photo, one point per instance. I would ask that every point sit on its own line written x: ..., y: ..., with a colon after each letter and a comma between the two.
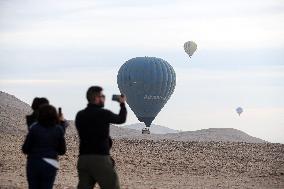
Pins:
x: 58, y: 49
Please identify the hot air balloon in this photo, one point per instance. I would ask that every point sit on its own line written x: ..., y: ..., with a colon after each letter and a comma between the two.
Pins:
x: 190, y: 47
x: 239, y: 110
x: 148, y: 83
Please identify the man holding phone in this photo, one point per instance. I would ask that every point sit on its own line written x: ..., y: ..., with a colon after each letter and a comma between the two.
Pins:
x: 95, y: 164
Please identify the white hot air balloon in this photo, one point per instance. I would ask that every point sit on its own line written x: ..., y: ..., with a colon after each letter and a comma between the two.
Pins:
x: 239, y: 110
x: 190, y: 47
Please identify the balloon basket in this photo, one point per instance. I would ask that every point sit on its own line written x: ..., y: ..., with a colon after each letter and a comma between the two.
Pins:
x: 146, y: 130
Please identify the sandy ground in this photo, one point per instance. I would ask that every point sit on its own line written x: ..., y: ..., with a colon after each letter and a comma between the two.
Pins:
x: 146, y: 164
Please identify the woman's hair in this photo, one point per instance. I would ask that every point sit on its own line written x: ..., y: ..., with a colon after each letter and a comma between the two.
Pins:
x: 38, y: 102
x: 47, y: 116
x: 35, y: 103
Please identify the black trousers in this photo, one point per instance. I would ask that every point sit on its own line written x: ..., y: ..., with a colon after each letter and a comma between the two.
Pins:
x: 40, y: 174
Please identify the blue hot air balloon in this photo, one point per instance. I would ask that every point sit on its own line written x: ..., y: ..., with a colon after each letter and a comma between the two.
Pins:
x: 148, y: 83
x: 239, y: 110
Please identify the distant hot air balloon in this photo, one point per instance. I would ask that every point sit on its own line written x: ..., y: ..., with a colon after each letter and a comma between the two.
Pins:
x: 148, y: 83
x: 190, y: 47
x: 239, y: 110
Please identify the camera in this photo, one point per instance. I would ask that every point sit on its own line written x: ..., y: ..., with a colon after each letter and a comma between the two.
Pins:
x: 116, y: 97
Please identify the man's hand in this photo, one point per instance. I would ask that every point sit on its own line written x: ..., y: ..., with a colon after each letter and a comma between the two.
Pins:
x: 122, y: 99
x: 61, y: 117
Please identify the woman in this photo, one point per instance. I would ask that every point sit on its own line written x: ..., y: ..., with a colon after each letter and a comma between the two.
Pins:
x: 36, y: 104
x: 44, y: 142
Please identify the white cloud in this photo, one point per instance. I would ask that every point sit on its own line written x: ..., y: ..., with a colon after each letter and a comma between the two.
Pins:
x: 72, y: 77
x: 218, y: 24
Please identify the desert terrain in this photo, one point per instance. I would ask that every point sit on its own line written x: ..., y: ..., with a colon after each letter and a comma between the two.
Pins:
x: 178, y: 160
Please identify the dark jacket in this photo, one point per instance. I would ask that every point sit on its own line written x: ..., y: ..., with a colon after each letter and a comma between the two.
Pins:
x: 93, y: 124
x: 44, y: 142
x: 32, y: 119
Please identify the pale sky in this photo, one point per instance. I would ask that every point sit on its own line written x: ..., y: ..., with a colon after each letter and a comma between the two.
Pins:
x: 57, y: 49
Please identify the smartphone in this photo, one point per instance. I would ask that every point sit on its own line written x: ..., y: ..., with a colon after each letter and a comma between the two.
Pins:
x: 60, y: 111
x: 115, y: 97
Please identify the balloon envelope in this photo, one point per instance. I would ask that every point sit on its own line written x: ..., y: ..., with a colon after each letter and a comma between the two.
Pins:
x: 239, y: 110
x: 148, y: 83
x: 190, y: 47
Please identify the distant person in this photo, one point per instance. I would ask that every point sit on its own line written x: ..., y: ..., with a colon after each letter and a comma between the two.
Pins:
x: 43, y: 143
x: 95, y: 164
x: 36, y: 104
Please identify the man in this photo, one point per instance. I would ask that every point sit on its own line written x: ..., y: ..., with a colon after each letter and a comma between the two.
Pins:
x: 95, y: 164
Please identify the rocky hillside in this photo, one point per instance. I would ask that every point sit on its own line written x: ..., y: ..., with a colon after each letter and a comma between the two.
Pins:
x: 214, y: 134
x: 155, y: 129
x: 13, y: 112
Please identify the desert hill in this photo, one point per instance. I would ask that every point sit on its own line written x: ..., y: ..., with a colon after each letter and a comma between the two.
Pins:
x: 155, y: 129
x: 13, y: 112
x: 178, y: 160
